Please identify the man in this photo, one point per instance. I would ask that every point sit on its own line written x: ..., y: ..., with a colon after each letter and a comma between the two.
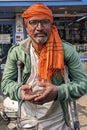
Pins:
x: 43, y: 87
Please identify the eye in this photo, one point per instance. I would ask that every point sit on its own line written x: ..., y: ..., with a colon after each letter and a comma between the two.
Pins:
x: 33, y: 22
x: 45, y: 21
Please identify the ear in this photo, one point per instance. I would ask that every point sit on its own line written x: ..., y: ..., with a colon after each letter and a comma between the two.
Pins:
x: 27, y: 30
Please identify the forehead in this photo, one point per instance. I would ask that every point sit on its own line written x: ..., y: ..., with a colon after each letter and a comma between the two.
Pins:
x: 37, y: 18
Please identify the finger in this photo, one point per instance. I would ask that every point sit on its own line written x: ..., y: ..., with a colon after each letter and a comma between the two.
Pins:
x: 42, y: 96
x: 41, y: 84
x: 39, y: 98
x: 30, y: 97
x: 23, y: 87
x: 26, y: 93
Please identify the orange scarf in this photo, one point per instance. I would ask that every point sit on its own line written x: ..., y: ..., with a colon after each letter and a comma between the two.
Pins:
x: 51, y: 57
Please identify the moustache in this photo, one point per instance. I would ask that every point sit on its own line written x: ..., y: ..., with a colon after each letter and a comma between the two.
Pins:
x: 40, y: 32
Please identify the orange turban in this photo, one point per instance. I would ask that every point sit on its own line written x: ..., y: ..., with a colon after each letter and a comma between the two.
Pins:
x: 37, y: 10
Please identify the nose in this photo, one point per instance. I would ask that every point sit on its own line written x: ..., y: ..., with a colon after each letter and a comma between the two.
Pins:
x: 39, y: 26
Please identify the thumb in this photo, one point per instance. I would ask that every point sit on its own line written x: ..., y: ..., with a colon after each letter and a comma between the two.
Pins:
x: 42, y: 84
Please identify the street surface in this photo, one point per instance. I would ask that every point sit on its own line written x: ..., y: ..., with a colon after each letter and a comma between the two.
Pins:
x: 82, y: 112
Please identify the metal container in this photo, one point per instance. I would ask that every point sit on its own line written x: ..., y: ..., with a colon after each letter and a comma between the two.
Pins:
x: 26, y: 123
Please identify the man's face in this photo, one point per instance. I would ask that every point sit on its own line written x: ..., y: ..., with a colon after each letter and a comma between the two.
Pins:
x: 39, y: 29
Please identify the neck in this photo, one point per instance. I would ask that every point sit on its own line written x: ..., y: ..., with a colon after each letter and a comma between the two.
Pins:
x: 37, y: 47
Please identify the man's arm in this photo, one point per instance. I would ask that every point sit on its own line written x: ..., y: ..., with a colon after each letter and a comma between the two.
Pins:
x: 77, y: 75
x: 10, y: 86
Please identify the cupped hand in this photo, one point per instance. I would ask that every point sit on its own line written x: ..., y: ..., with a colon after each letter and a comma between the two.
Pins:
x: 27, y: 94
x: 50, y: 93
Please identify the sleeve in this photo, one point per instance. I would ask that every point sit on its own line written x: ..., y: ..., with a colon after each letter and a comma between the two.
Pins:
x: 9, y: 85
x: 77, y: 86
